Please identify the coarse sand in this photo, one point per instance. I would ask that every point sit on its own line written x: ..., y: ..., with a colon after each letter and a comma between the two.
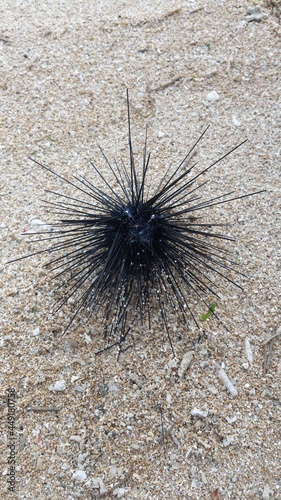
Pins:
x: 77, y: 425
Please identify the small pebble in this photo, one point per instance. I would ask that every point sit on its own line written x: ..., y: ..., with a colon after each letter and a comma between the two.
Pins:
x: 136, y: 379
x: 39, y: 463
x: 236, y: 122
x: 87, y: 339
x: 112, y: 387
x: 185, y: 362
x: 198, y: 424
x: 169, y: 399
x: 213, y: 96
x: 213, y: 390
x: 81, y: 458
x: 80, y: 388
x: 160, y: 134
x: 204, y: 364
x: 51, y: 471
x: 135, y: 447
x: 113, y: 470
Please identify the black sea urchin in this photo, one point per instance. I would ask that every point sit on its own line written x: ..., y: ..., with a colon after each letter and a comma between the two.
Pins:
x: 126, y: 252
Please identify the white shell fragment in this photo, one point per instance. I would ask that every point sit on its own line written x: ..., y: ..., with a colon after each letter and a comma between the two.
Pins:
x: 79, y: 475
x: 37, y: 222
x: 185, y: 362
x: 199, y: 413
x: 248, y: 351
x: 98, y: 483
x: 229, y: 386
x: 75, y: 438
x: 119, y: 492
x: 171, y: 367
x: 36, y: 331
x: 169, y: 398
x: 267, y: 493
x: 231, y: 420
x: 203, y: 478
x: 227, y: 441
x: 59, y: 385
x: 255, y: 14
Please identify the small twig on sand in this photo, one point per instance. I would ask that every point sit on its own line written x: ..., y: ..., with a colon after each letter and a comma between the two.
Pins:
x: 268, y: 346
x: 42, y: 409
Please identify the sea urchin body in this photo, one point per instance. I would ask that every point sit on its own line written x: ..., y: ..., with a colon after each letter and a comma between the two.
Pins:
x: 126, y: 253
